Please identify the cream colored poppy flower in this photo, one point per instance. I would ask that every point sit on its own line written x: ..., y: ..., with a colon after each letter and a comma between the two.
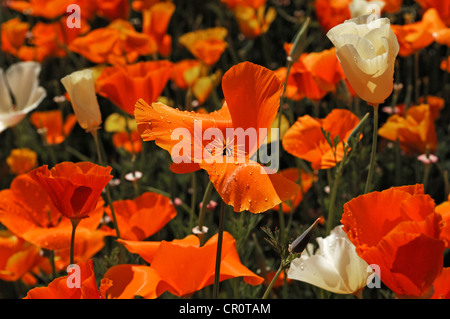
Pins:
x: 21, y: 81
x: 335, y: 266
x: 80, y: 86
x: 366, y: 49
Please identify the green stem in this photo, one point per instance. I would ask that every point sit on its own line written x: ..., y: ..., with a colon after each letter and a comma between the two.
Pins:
x: 201, y: 217
x: 274, y: 279
x: 72, y: 239
x: 219, y: 251
x: 107, y: 190
x: 374, y: 149
x: 331, y: 210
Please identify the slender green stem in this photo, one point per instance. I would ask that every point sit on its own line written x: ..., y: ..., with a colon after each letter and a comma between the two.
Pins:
x: 274, y: 279
x: 72, y: 239
x: 107, y: 190
x: 374, y: 149
x: 201, y: 217
x: 332, y: 207
x: 97, y: 146
x: 219, y: 251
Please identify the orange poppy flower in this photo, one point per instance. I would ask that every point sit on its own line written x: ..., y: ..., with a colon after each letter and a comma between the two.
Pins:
x: 255, y: 4
x: 130, y: 142
x: 415, y: 130
x: 254, y: 20
x: 443, y: 209
x: 117, y: 44
x: 50, y: 39
x: 13, y: 35
x: 189, y: 74
x: 279, y: 282
x: 414, y: 37
x: 142, y: 80
x: 315, y: 74
x: 206, y: 45
x: 392, y: 6
x: 441, y: 6
x: 113, y: 9
x: 143, y: 216
x: 306, y: 184
x: 17, y: 257
x: 74, y: 188
x: 445, y: 64
x: 27, y: 211
x: 442, y: 285
x: 52, y: 121
x: 60, y: 289
x: 252, y: 95
x: 388, y: 228
x: 155, y: 21
x: 40, y: 8
x: 21, y: 160
x: 330, y: 13
x: 140, y: 5
x: 305, y: 139
x: 180, y: 267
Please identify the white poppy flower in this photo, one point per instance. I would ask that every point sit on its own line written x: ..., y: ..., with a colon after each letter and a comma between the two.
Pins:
x: 81, y: 89
x: 335, y: 266
x: 21, y: 81
x: 366, y: 48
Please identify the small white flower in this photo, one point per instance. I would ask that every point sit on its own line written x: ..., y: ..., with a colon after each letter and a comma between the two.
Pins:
x: 367, y: 50
x: 21, y: 81
x: 81, y: 89
x: 335, y: 266
x: 133, y: 176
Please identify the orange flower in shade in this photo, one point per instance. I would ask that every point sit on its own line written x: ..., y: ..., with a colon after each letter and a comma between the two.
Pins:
x: 13, y: 35
x: 40, y: 8
x: 252, y: 95
x: 52, y: 122
x: 140, y: 5
x: 414, y: 37
x: 117, y: 44
x: 305, y: 138
x: 27, y: 211
x: 305, y: 183
x: 442, y: 285
x: 180, y: 267
x: 74, y: 188
x: 441, y: 6
x: 388, y: 228
x: 330, y: 13
x: 445, y: 64
x: 130, y: 142
x: 189, y: 74
x: 21, y: 160
x: 253, y: 18
x: 206, y: 45
x: 392, y: 6
x: 142, y: 80
x: 443, y: 209
x: 314, y: 74
x: 143, y: 216
x: 17, y: 257
x: 155, y: 21
x: 112, y: 9
x: 415, y: 130
x: 60, y: 289
x: 50, y: 39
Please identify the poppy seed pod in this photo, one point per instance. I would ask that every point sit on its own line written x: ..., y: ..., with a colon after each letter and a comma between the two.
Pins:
x: 366, y: 49
x: 300, y: 243
x: 80, y: 86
